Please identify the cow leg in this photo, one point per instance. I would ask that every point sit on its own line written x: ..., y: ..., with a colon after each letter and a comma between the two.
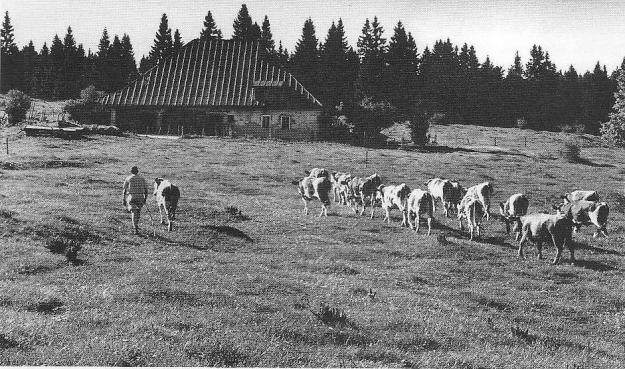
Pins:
x: 324, y: 210
x: 418, y: 221
x: 161, y: 209
x: 429, y: 225
x: 404, y: 222
x: 523, y: 239
x: 305, y: 206
x: 470, y: 231
x: 507, y: 225
x: 461, y: 227
x: 570, y: 245
x: 372, y: 202
x: 539, y: 247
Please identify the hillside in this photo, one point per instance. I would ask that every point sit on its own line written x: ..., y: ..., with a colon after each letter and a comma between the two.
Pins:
x: 230, y: 289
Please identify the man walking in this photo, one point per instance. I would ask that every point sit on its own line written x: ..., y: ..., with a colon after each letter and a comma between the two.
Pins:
x: 135, y: 195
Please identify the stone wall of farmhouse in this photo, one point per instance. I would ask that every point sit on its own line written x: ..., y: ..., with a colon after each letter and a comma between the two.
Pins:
x: 288, y: 124
x: 283, y: 124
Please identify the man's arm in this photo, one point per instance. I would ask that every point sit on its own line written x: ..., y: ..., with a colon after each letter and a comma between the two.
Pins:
x: 124, y: 192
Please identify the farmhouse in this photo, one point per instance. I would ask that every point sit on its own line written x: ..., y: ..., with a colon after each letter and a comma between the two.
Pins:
x: 217, y: 87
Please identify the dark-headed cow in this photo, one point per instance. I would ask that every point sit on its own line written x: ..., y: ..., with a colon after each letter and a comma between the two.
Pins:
x: 481, y: 192
x: 420, y: 203
x: 361, y: 190
x: 167, y: 197
x: 580, y: 195
x: 547, y: 227
x: 340, y: 183
x: 310, y: 188
x: 512, y: 210
x: 473, y: 211
x: 394, y: 197
x: 585, y: 213
x: 448, y: 192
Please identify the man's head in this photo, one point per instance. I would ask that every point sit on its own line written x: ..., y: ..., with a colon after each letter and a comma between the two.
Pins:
x: 134, y: 170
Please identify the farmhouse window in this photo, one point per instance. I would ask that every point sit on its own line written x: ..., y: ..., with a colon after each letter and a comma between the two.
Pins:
x: 285, y: 122
x: 265, y: 121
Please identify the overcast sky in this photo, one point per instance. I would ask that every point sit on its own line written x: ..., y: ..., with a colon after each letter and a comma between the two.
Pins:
x: 577, y: 32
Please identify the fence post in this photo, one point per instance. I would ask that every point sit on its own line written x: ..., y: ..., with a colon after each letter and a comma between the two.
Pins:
x: 7, y: 142
x: 366, y: 157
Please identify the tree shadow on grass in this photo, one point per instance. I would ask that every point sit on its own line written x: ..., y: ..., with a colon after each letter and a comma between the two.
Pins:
x: 592, y: 164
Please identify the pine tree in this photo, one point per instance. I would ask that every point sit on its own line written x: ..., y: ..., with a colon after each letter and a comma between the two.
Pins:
x: 116, y: 77
x: 210, y: 30
x: 104, y: 45
x: 613, y: 130
x: 514, y: 94
x: 29, y: 60
x: 73, y: 64
x: 163, y: 44
x: 44, y: 74
x: 305, y: 60
x: 243, y: 26
x: 282, y: 56
x: 177, y: 45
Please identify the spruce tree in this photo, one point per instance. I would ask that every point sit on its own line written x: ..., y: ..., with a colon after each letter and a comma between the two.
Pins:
x: 29, y: 60
x: 266, y: 37
x: 128, y: 62
x: 305, y: 59
x: 372, y: 50
x: 163, y: 43
x: 10, y: 73
x: 177, y: 45
x: 243, y: 26
x: 72, y: 66
x: 210, y: 30
x: 402, y: 68
x: 116, y: 78
x: 336, y: 74
x: 613, y: 131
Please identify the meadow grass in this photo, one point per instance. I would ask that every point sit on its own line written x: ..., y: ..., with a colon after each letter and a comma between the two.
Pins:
x: 241, y: 280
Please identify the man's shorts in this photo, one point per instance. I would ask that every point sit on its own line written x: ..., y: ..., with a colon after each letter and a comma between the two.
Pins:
x: 134, y: 202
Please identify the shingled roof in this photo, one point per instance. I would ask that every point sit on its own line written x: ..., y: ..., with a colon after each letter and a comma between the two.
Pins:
x: 208, y: 73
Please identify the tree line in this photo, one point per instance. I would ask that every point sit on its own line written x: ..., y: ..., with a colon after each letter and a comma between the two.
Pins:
x: 446, y: 82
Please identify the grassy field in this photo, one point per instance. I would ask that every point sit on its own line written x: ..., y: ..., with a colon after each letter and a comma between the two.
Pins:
x: 226, y: 289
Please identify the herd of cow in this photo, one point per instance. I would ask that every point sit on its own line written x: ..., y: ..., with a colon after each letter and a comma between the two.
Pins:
x: 472, y: 205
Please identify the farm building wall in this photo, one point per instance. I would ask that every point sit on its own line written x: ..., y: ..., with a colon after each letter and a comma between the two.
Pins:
x: 288, y: 124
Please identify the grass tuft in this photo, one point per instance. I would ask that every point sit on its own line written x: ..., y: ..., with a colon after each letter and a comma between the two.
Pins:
x: 235, y: 214
x: 523, y: 335
x: 331, y: 316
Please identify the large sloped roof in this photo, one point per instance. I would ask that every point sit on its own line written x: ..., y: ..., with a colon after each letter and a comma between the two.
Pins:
x: 208, y: 73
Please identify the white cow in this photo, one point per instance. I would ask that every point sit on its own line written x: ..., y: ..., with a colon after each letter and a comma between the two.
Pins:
x: 167, y: 197
x: 587, y: 212
x: 315, y: 187
x: 340, y: 188
x: 394, y: 197
x: 547, y: 227
x: 481, y: 192
x: 473, y: 211
x: 448, y: 192
x: 420, y: 203
x: 578, y: 195
x: 512, y: 210
x: 362, y: 189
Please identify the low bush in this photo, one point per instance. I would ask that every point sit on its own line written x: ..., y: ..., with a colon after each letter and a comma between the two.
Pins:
x: 570, y: 152
x: 86, y: 110
x: 17, y: 105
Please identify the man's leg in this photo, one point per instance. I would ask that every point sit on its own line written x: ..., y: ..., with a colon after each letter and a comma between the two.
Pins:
x: 134, y: 215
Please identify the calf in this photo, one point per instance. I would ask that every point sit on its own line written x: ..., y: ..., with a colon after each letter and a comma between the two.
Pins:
x: 420, y: 203
x: 167, y: 197
x: 394, y: 197
x: 362, y: 189
x: 580, y: 195
x: 315, y: 187
x: 587, y: 212
x: 481, y: 192
x: 540, y: 227
x: 473, y: 211
x: 512, y: 210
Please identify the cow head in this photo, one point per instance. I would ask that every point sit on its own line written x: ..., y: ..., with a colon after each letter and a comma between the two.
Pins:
x: 404, y: 191
x: 502, y: 209
x: 558, y: 208
x: 157, y: 182
x: 379, y: 192
x: 566, y: 197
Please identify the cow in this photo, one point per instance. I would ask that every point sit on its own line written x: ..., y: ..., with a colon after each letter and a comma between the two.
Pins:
x: 362, y: 189
x: 420, y: 203
x: 167, y: 197
x: 512, y: 210
x: 318, y: 173
x: 580, y: 195
x: 481, y: 192
x: 473, y: 211
x: 315, y: 187
x: 448, y: 192
x: 394, y: 197
x: 587, y: 212
x: 540, y: 227
x: 340, y: 183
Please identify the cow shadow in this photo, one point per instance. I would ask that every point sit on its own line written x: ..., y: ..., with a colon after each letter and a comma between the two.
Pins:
x: 593, y: 265
x: 598, y: 250
x: 442, y: 149
x: 592, y: 164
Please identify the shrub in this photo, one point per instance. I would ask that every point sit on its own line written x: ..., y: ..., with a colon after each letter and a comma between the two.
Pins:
x: 570, y: 152
x: 369, y: 117
x: 17, y: 105
x: 613, y: 131
x: 419, y: 129
x: 86, y: 110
